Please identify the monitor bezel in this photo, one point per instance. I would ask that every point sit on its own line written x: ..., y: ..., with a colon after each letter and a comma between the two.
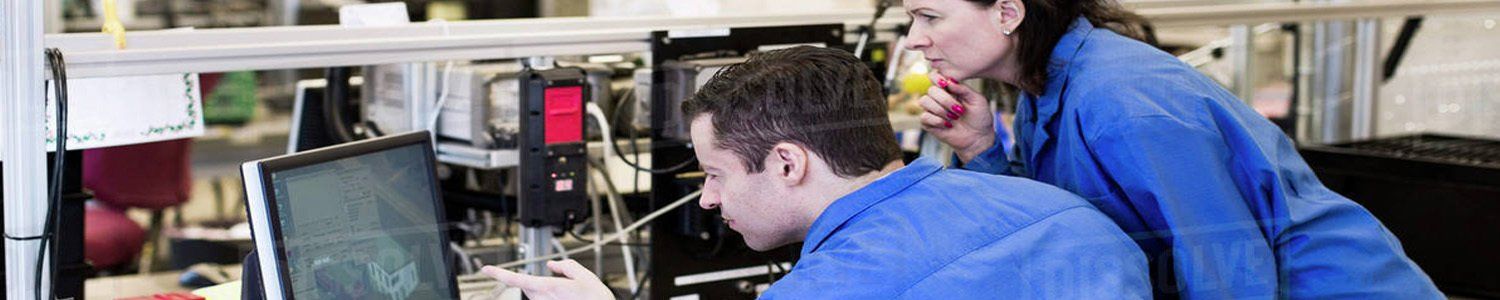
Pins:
x: 261, y: 203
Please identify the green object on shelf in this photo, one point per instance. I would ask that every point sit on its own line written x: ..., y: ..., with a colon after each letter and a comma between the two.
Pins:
x: 232, y: 101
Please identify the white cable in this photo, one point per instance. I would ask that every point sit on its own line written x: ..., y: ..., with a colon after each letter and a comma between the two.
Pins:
x: 615, y: 236
x: 463, y: 257
x: 609, y: 140
x: 559, y: 246
x: 614, y: 209
x: 614, y: 212
x: 437, y: 110
x: 595, y: 208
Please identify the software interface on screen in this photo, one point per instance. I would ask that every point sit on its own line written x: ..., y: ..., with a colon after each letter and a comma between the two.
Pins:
x: 362, y: 227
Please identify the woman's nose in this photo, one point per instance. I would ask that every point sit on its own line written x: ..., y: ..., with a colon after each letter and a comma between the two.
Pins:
x: 915, y: 40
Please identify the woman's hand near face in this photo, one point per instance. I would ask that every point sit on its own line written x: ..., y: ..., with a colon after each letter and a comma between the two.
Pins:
x: 958, y: 116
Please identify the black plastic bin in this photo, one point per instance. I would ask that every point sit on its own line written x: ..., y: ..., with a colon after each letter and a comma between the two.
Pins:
x: 1439, y: 194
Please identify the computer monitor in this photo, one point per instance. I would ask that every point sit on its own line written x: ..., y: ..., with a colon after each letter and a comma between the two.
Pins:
x: 360, y: 220
x: 309, y: 126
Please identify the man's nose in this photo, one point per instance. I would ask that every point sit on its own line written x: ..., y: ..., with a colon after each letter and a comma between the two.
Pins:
x: 709, y: 200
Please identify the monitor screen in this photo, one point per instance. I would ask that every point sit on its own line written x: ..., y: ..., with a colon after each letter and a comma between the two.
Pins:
x: 310, y: 128
x: 362, y: 224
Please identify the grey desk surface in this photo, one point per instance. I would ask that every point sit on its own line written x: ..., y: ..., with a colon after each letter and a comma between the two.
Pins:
x: 103, y: 288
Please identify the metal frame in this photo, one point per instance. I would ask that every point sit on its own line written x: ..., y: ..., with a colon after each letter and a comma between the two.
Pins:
x: 1241, y: 53
x: 264, y: 48
x: 1367, y: 78
x: 23, y: 155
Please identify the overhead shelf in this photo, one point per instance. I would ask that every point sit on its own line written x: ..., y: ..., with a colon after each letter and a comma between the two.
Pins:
x: 265, y: 48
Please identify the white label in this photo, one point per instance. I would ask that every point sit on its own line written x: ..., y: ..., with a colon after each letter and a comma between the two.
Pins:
x: 697, y: 33
x: 366, y: 15
x: 114, y: 111
x: 564, y: 185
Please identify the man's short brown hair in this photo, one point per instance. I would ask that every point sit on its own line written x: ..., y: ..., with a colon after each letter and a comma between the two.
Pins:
x: 823, y: 99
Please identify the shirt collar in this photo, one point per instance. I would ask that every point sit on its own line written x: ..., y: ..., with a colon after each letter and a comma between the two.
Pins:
x: 1066, y: 50
x: 848, y: 206
x: 1063, y: 55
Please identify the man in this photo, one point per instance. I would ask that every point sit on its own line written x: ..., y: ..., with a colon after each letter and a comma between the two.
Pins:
x: 797, y: 147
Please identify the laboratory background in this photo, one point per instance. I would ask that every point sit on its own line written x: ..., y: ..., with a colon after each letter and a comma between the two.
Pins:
x: 154, y: 149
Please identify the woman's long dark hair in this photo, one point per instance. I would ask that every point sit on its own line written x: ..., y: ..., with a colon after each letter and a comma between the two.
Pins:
x: 1047, y: 20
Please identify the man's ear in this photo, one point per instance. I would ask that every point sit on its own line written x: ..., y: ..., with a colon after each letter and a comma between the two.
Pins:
x: 788, y: 162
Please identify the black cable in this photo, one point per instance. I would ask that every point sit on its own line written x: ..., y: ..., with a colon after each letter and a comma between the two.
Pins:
x: 25, y: 238
x: 772, y: 268
x: 613, y: 189
x: 49, y: 226
x: 770, y: 272
x: 616, y: 146
x: 719, y: 239
x: 640, y: 286
x: 635, y: 146
x: 62, y: 119
x: 335, y: 98
x: 59, y: 162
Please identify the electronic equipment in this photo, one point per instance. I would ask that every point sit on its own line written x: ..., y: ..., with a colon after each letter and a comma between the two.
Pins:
x: 361, y: 220
x: 682, y: 79
x: 481, y: 108
x: 310, y: 128
x: 554, y: 154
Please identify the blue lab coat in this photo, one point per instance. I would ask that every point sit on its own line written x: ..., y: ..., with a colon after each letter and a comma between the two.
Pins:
x: 924, y: 232
x: 1215, y: 195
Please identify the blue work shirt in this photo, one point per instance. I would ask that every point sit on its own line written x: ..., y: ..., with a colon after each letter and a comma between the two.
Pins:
x: 1215, y: 195
x: 923, y: 232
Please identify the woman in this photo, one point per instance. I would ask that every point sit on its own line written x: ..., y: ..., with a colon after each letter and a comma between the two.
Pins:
x: 1216, y: 196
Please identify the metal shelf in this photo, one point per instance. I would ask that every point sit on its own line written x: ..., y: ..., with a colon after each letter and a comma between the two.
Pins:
x: 217, y: 50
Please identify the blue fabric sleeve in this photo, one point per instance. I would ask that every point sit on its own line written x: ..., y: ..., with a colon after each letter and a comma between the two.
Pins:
x: 992, y: 160
x: 1340, y: 251
x: 1178, y: 177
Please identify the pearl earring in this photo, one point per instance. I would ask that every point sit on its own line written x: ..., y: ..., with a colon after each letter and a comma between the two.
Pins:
x: 1007, y: 32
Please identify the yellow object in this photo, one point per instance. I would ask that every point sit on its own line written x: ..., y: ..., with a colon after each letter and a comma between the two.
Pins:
x: 226, y: 291
x: 112, y: 24
x: 447, y: 10
x: 915, y: 84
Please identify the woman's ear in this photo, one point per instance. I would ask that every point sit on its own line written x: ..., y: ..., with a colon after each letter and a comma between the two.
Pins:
x: 1010, y: 13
